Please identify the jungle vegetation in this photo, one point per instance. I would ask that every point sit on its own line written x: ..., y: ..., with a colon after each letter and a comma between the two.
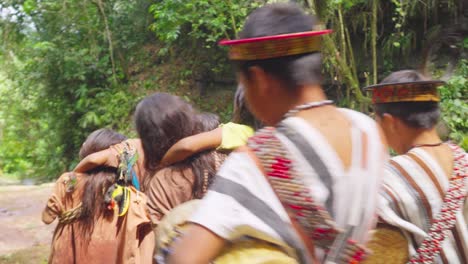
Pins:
x: 68, y: 67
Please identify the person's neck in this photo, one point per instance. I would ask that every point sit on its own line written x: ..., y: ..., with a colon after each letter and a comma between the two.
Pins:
x: 302, y: 95
x: 308, y: 94
x: 416, y: 137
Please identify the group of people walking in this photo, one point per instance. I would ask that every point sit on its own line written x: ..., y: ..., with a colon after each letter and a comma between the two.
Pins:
x: 292, y: 179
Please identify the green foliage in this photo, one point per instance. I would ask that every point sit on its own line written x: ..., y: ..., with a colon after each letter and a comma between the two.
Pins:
x: 64, y: 77
x: 221, y: 104
x: 454, y: 101
x: 70, y: 67
x: 346, y: 4
x: 192, y: 28
x: 204, y: 20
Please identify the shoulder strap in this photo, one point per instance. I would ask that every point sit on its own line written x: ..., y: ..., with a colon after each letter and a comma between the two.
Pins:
x: 446, y: 218
x: 359, y: 159
x: 313, y: 159
x: 311, y: 221
x: 294, y: 223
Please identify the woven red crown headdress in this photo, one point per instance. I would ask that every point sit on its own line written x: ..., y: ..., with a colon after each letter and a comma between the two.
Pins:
x: 275, y: 46
x: 418, y: 91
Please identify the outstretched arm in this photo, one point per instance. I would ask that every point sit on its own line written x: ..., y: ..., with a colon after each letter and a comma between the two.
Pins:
x: 102, y: 158
x: 189, y: 146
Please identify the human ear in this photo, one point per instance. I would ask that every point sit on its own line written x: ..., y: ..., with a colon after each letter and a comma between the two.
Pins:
x: 260, y: 80
x: 242, y: 79
x: 389, y: 122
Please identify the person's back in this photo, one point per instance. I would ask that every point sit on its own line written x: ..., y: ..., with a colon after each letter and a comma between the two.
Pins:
x: 91, y: 229
x: 161, y: 120
x: 337, y: 155
x: 418, y: 180
x: 347, y: 191
x: 344, y: 140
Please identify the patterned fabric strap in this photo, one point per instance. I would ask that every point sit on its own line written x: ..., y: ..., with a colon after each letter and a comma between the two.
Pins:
x: 297, y: 199
x: 446, y: 219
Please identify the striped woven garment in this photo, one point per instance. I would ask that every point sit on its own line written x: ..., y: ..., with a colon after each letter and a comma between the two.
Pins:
x: 241, y: 202
x: 414, y: 189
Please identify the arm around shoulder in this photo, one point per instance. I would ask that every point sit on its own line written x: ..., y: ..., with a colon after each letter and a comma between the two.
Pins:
x: 105, y: 157
x: 189, y: 146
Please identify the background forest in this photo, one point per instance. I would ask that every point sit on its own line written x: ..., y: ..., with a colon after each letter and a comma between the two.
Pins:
x: 68, y: 67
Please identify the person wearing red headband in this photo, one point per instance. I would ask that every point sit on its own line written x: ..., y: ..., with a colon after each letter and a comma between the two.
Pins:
x: 425, y: 186
x: 308, y: 184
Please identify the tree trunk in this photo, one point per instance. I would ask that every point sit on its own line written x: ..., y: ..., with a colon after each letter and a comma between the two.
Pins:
x: 342, y: 34
x: 344, y: 69
x: 109, y: 37
x: 374, y: 40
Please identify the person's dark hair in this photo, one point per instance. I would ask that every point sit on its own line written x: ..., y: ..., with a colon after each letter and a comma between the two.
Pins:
x: 414, y: 114
x: 98, y: 180
x: 99, y: 140
x: 277, y: 19
x: 209, y: 121
x: 241, y: 113
x: 161, y: 121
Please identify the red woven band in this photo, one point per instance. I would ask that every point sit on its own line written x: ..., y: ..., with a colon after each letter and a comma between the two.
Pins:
x: 275, y: 46
x: 423, y: 91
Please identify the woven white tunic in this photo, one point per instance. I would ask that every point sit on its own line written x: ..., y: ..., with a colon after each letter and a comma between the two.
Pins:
x: 414, y: 187
x: 241, y: 202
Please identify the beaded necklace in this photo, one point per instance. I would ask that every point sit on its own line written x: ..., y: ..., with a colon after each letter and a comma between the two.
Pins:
x: 306, y: 106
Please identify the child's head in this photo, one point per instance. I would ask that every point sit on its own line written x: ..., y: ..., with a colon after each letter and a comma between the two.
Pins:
x: 419, y: 115
x: 271, y: 81
x: 99, y: 140
x: 161, y: 120
x: 402, y: 118
x: 241, y: 113
x: 209, y: 121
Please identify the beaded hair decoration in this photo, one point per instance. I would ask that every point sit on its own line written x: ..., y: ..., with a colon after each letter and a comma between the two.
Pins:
x: 274, y: 46
x: 118, y: 194
x: 287, y: 183
x: 420, y: 91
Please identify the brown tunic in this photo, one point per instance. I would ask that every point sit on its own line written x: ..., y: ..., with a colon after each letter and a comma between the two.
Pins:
x: 126, y: 239
x: 167, y: 189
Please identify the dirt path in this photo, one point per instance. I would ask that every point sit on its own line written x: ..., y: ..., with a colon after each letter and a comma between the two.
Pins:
x: 21, y: 228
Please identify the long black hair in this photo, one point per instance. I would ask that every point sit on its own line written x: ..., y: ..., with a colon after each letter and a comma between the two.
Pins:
x: 161, y: 120
x: 97, y: 180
